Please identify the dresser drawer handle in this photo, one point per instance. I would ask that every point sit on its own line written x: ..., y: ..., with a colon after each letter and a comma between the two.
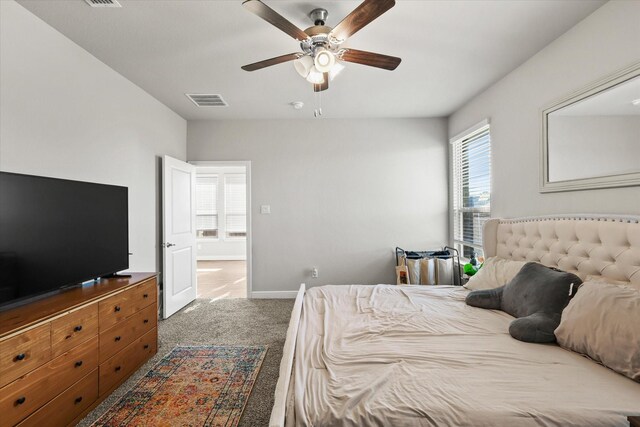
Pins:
x: 78, y: 399
x: 21, y: 356
x: 145, y: 296
x: 118, y: 368
x: 117, y: 308
x: 21, y: 400
x: 78, y: 363
x: 78, y: 328
x: 146, y: 320
x: 146, y: 346
x: 118, y: 338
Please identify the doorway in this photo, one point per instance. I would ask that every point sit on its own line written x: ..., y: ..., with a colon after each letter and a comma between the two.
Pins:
x: 223, y: 231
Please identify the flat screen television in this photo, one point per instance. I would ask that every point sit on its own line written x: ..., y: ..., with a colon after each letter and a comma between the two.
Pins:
x: 56, y: 233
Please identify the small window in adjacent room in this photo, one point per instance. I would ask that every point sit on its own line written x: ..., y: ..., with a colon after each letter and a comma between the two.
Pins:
x: 235, y: 194
x: 471, y: 178
x: 207, y: 206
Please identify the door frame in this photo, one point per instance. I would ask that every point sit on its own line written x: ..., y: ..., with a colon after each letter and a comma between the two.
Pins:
x: 249, y: 238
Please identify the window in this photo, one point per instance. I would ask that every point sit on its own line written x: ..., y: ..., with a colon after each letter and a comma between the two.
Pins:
x: 207, y: 206
x: 221, y: 205
x: 471, y: 178
x: 235, y: 203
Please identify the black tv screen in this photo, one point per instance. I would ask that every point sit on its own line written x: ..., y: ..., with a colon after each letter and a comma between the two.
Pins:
x: 56, y: 233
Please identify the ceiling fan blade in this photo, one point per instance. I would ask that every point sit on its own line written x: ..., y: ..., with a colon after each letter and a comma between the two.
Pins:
x: 322, y: 86
x: 360, y: 17
x: 271, y: 61
x: 371, y: 59
x: 274, y: 18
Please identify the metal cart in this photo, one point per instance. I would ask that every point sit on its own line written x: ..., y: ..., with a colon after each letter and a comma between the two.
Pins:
x: 446, y: 252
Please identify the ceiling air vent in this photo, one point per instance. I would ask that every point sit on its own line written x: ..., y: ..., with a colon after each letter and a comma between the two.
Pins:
x: 103, y: 3
x: 207, y: 100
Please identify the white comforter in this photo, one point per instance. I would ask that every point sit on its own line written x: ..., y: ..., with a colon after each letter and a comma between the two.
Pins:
x: 418, y: 356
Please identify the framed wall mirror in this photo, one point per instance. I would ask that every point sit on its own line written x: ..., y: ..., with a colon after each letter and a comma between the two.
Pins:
x: 591, y: 139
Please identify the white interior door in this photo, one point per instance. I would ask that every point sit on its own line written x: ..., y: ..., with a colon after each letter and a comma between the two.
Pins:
x: 179, y: 234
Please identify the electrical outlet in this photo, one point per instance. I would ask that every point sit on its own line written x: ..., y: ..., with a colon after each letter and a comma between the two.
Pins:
x: 265, y: 209
x: 314, y: 272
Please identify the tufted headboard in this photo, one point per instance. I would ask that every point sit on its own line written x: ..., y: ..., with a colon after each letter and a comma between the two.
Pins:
x: 606, y: 246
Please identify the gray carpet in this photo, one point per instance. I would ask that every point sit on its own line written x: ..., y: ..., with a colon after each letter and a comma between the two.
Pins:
x: 223, y: 322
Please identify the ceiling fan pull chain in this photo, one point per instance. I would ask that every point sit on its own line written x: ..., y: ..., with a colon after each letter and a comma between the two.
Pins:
x: 315, y: 110
x: 318, y: 111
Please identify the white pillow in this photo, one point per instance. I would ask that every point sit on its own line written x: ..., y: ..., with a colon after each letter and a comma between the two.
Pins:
x: 603, y: 322
x: 495, y: 272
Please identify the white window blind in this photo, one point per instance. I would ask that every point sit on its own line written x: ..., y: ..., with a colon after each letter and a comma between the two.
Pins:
x: 235, y: 192
x: 207, y: 206
x: 471, y: 189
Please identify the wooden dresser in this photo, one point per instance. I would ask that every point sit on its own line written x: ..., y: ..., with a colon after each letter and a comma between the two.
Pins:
x: 62, y: 355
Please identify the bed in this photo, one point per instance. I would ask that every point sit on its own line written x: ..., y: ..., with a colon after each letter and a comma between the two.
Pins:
x: 389, y: 355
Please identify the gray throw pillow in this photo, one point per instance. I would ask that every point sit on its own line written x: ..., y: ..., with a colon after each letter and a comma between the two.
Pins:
x: 536, y: 296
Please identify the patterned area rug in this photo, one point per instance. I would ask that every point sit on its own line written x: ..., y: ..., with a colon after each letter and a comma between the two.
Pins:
x: 191, y: 386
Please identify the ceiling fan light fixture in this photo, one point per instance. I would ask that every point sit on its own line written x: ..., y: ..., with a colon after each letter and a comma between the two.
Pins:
x: 315, y: 76
x: 335, y: 70
x: 324, y: 60
x: 303, y: 65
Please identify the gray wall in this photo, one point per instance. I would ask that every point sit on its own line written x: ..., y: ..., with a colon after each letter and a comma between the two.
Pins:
x: 606, y: 41
x: 343, y: 193
x: 65, y: 114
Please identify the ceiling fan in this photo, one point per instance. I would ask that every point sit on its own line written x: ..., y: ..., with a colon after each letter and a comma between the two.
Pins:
x: 321, y: 45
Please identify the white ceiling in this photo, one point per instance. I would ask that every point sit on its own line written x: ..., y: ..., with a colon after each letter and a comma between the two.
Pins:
x: 450, y: 50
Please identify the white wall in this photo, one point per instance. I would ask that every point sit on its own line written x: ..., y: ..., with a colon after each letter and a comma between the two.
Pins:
x: 222, y: 249
x: 65, y: 114
x: 343, y: 193
x: 606, y: 41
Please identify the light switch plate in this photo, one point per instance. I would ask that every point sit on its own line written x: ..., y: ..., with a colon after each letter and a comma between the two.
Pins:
x: 265, y: 209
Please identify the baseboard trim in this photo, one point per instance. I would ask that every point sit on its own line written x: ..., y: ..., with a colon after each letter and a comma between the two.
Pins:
x: 222, y: 258
x: 273, y: 294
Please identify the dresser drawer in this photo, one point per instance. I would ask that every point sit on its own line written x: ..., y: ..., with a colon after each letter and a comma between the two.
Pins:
x: 28, y: 393
x: 147, y: 293
x: 68, y: 405
x: 24, y: 352
x: 73, y: 328
x: 124, y: 333
x: 120, y: 366
x: 118, y: 307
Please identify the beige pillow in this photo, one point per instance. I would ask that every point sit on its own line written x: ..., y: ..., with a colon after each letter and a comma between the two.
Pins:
x: 495, y: 272
x: 603, y: 322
